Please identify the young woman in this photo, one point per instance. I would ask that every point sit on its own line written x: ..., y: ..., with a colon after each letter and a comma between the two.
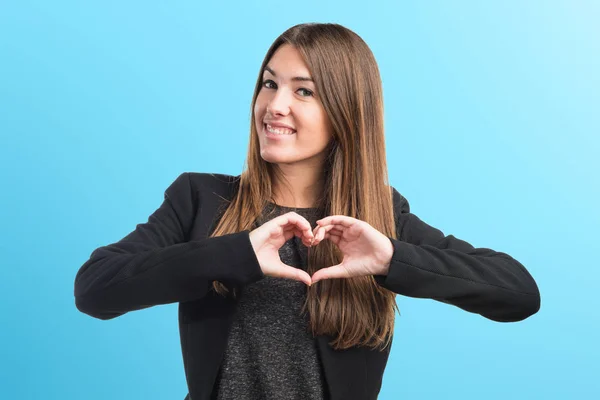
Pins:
x: 286, y: 275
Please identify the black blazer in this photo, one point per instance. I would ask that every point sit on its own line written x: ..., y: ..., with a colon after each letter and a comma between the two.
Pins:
x: 171, y: 259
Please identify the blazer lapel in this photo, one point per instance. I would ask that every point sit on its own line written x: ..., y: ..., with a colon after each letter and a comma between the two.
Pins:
x: 345, y: 370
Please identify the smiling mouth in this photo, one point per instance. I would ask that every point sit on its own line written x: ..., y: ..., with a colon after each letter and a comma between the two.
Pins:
x: 278, y: 131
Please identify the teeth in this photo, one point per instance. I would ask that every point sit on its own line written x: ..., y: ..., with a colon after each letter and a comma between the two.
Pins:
x: 280, y: 131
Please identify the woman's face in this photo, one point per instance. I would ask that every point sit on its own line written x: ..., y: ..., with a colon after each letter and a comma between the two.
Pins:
x: 291, y: 122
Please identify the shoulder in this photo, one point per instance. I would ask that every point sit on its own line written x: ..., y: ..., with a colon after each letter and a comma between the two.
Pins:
x: 402, y: 214
x: 199, y: 180
x: 401, y: 205
x: 210, y: 180
x: 192, y: 183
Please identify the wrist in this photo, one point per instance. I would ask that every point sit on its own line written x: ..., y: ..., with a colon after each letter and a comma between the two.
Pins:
x: 385, y: 267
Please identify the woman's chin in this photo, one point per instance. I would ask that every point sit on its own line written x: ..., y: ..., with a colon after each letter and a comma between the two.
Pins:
x: 276, y: 158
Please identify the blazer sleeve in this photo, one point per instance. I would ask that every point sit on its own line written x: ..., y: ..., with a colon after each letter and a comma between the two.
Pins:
x: 157, y: 264
x: 428, y: 264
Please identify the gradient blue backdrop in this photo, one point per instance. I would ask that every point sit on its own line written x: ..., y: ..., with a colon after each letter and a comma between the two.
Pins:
x: 492, y: 128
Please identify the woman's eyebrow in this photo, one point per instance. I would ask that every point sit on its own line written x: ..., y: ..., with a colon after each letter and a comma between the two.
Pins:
x: 296, y: 78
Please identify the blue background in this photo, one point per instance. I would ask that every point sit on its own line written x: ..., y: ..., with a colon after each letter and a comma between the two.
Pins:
x: 492, y: 128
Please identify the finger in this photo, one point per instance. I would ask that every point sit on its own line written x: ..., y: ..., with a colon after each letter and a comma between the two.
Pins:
x: 316, y: 236
x: 294, y: 219
x: 288, y: 219
x: 287, y: 272
x: 333, y: 227
x: 322, y: 231
x: 333, y: 232
x: 301, y: 221
x: 316, y: 229
x: 292, y: 231
x: 329, y: 227
x: 298, y: 225
x: 289, y: 233
x: 295, y: 230
x: 336, y: 239
x: 338, y: 219
x: 336, y: 271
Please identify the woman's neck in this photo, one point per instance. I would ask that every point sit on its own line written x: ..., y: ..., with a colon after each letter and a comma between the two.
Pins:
x: 298, y: 187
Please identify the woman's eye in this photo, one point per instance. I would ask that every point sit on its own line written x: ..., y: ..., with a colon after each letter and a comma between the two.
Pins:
x: 267, y: 82
x: 306, y: 91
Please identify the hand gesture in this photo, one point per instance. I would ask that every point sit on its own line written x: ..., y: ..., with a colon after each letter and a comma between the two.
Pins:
x: 268, y: 238
x: 366, y: 250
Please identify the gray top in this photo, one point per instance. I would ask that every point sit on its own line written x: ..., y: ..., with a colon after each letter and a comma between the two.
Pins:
x: 271, y: 353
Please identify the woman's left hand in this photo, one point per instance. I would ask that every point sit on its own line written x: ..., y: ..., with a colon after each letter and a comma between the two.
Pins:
x: 366, y: 250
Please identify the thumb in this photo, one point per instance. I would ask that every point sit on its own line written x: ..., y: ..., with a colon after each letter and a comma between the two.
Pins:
x: 288, y: 272
x: 336, y: 271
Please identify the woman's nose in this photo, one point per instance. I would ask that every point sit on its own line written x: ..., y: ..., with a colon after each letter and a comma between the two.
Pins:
x: 279, y: 103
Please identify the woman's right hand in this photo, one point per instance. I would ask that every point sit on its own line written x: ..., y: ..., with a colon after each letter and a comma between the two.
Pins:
x: 268, y: 238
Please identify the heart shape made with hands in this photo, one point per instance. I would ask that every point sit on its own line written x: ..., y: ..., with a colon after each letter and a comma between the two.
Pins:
x: 366, y: 251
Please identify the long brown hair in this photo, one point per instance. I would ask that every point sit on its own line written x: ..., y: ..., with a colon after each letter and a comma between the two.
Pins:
x: 355, y: 311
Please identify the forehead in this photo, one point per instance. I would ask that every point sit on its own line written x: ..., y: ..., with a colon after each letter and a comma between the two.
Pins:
x: 287, y: 62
